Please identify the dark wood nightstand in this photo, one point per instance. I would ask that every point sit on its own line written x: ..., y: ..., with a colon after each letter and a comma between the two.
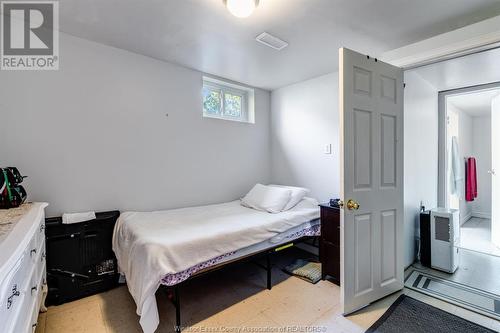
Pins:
x: 329, y: 243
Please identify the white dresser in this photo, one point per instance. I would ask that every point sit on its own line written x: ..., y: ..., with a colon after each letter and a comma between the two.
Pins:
x: 22, y: 267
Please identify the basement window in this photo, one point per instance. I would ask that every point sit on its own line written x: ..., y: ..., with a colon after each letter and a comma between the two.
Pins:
x: 227, y: 101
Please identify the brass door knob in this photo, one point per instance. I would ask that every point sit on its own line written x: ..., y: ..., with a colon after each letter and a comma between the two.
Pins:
x: 352, y: 205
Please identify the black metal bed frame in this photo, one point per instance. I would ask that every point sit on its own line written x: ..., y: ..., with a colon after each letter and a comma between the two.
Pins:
x: 266, y: 252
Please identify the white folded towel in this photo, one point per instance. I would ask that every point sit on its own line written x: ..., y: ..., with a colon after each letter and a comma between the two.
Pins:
x: 457, y: 176
x: 69, y: 218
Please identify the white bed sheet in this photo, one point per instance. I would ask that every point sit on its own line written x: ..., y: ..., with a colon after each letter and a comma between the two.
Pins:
x: 151, y: 245
x: 282, y: 238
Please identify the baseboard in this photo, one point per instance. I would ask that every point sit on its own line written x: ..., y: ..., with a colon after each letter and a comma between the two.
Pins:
x: 481, y: 215
x: 465, y: 218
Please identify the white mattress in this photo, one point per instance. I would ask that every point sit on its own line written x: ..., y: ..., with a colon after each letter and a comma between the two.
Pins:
x: 152, y: 245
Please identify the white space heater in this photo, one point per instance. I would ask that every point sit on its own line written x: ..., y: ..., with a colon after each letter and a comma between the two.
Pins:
x: 445, y: 235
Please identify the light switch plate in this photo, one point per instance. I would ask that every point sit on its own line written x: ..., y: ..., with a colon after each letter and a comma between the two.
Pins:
x: 328, y: 148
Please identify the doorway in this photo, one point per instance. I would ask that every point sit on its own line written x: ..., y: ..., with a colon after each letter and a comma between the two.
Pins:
x: 468, y: 153
x: 451, y: 103
x: 468, y: 150
x: 470, y: 171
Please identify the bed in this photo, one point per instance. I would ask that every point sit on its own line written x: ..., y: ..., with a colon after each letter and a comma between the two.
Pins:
x: 172, y: 246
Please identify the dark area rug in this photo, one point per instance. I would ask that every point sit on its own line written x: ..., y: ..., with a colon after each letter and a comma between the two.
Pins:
x: 408, y: 315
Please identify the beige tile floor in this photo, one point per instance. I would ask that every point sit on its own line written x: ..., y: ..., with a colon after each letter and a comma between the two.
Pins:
x: 229, y: 298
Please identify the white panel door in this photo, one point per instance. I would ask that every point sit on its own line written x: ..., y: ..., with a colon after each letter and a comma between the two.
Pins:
x: 495, y: 170
x: 371, y: 108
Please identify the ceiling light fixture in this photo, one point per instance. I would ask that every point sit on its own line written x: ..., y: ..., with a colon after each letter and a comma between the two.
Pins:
x: 241, y: 8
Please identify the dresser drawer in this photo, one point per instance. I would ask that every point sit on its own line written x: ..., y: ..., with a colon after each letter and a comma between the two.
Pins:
x: 330, y: 260
x: 23, y: 272
x: 21, y: 287
x: 32, y: 251
x: 330, y: 225
x: 13, y: 294
x: 329, y: 247
x: 23, y: 318
x: 40, y: 261
x: 24, y: 321
x: 33, y: 287
x: 41, y: 232
x: 36, y: 298
x: 34, y: 318
x: 37, y: 241
x: 28, y: 307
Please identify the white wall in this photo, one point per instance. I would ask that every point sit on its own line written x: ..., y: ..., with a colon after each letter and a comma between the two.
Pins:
x: 495, y: 163
x: 95, y: 136
x: 481, y: 150
x: 465, y: 151
x: 421, y: 155
x: 304, y: 119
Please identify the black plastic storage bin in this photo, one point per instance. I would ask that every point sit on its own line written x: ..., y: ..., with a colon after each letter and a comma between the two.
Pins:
x: 80, y: 261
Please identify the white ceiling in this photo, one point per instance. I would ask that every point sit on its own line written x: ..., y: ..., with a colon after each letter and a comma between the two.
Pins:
x: 203, y: 35
x: 475, y: 104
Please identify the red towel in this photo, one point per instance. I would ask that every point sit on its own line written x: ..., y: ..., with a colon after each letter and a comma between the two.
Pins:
x: 471, y: 180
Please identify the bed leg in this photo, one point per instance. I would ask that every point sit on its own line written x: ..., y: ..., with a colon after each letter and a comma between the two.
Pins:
x: 177, y: 304
x: 268, y: 269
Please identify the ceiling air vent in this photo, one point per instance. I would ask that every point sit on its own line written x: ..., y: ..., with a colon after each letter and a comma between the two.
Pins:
x: 271, y: 41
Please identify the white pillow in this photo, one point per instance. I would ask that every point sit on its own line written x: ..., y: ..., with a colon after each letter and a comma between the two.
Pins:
x: 267, y: 198
x: 298, y: 193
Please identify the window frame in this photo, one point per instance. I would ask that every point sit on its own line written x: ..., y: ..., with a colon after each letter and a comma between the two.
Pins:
x: 232, y: 89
